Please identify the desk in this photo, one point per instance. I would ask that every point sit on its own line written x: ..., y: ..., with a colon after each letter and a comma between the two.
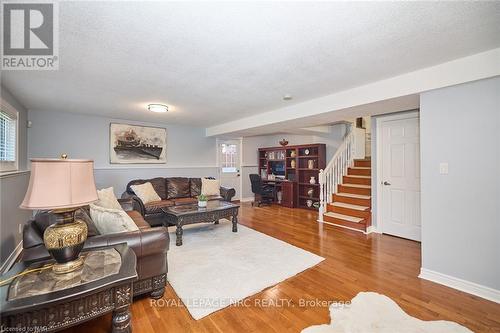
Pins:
x: 288, y: 190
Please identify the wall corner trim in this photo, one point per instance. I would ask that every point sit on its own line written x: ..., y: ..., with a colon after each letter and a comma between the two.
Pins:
x: 462, y: 285
x: 12, y: 258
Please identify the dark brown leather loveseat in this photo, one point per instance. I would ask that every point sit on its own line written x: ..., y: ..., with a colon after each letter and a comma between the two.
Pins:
x: 173, y: 191
x: 150, y: 246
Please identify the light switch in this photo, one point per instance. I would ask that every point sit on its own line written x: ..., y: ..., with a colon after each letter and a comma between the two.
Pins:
x: 443, y: 168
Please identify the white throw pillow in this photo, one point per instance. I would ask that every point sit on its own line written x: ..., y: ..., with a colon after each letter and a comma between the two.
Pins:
x: 107, y: 198
x: 145, y: 192
x: 108, y: 220
x: 210, y: 186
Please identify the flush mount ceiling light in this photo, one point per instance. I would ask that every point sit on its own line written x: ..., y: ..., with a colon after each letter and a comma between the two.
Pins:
x: 157, y: 107
x: 287, y: 97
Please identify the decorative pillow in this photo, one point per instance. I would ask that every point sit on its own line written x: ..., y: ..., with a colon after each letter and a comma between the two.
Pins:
x: 146, y: 192
x: 107, y: 198
x: 210, y: 186
x: 158, y: 183
x: 108, y: 220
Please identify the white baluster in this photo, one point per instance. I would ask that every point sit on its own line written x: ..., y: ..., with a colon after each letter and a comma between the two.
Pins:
x: 332, y: 175
x: 330, y: 182
x: 327, y: 187
x: 321, y: 196
x: 336, y: 178
x: 332, y: 186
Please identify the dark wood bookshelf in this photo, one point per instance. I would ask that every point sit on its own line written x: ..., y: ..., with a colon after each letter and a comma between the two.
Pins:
x: 301, y: 173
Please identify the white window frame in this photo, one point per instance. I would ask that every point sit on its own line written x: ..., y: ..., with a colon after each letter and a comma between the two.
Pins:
x: 8, y: 166
x: 221, y: 163
x: 239, y: 142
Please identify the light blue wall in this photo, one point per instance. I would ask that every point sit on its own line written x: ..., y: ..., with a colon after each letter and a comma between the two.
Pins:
x: 461, y: 210
x: 13, y: 187
x: 252, y: 144
x: 189, y: 151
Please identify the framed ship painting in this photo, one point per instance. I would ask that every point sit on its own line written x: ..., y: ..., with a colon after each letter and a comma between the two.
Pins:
x: 132, y: 144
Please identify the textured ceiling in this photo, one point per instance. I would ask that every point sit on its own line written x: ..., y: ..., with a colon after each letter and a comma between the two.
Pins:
x: 216, y: 62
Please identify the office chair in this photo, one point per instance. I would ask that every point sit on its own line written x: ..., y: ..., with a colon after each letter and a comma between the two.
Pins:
x: 263, y: 193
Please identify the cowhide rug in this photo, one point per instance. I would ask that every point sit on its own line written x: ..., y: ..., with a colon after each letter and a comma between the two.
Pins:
x: 370, y: 312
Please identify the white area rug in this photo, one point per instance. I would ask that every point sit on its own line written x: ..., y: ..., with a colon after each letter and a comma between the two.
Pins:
x: 376, y: 313
x: 215, y: 267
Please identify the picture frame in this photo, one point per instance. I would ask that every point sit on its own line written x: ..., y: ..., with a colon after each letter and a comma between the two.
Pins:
x: 137, y: 144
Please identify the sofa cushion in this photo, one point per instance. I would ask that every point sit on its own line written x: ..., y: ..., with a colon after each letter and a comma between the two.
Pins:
x: 156, y: 206
x: 210, y: 186
x: 214, y: 197
x: 158, y: 184
x: 146, y: 192
x: 185, y: 201
x: 107, y: 198
x: 108, y: 220
x: 195, y: 186
x: 178, y: 187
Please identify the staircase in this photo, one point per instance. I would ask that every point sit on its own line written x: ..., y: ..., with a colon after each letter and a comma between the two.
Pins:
x: 350, y: 206
x: 345, y: 187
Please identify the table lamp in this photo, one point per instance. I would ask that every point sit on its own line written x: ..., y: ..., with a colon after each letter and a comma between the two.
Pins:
x: 62, y: 186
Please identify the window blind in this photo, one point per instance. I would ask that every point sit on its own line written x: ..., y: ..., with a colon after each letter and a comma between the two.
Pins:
x: 7, y: 137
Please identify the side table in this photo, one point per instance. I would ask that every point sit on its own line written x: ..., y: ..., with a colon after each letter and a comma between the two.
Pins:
x: 42, y: 301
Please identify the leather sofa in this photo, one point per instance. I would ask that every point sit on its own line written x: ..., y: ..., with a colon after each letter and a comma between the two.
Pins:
x: 173, y: 191
x: 150, y: 246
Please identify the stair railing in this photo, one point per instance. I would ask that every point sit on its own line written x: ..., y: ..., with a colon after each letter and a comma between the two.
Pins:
x: 331, y: 176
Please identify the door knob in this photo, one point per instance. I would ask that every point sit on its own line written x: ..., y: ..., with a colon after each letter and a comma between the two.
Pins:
x: 386, y: 183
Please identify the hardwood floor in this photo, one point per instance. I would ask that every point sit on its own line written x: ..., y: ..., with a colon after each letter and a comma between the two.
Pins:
x: 354, y: 262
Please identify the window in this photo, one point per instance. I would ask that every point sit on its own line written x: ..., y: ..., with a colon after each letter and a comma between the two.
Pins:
x: 8, y: 140
x: 228, y: 157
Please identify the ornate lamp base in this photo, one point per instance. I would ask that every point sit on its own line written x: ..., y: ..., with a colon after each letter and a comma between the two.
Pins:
x: 67, y: 267
x: 64, y: 240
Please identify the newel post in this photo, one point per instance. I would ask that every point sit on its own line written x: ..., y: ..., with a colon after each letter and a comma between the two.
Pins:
x: 321, y: 195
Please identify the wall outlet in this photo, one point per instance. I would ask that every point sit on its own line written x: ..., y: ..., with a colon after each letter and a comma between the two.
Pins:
x: 443, y: 168
x: 20, y: 229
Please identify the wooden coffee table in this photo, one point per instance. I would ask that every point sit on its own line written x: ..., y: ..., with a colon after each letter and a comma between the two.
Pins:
x: 191, y: 214
x: 42, y: 301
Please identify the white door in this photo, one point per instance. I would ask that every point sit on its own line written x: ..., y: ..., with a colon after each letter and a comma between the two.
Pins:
x: 229, y: 164
x: 400, y: 176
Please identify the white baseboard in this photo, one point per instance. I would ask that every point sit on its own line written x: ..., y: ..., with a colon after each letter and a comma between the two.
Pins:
x: 462, y: 285
x: 9, y: 262
x: 247, y: 199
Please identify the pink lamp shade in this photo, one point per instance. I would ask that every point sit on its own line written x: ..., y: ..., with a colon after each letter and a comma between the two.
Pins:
x: 60, y: 183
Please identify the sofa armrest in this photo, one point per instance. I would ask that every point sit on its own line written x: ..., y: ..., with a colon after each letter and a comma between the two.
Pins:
x: 144, y: 242
x: 127, y: 204
x: 31, y: 235
x: 138, y: 205
x: 227, y: 193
